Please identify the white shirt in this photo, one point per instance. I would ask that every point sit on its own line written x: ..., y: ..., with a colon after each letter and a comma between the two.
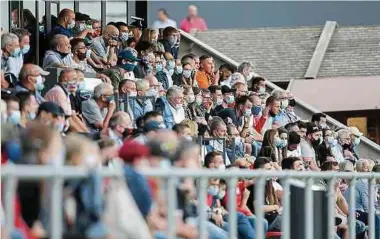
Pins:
x: 160, y: 24
x: 14, y: 65
x: 178, y: 115
x: 294, y: 153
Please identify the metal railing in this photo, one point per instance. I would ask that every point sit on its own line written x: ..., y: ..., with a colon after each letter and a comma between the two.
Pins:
x: 56, y: 175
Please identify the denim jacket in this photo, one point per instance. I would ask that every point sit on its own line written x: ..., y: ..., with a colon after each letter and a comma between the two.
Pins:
x: 162, y: 106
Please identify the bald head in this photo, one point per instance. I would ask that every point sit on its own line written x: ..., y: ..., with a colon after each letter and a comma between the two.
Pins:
x: 66, y: 17
x: 111, y: 30
x: 67, y: 75
x: 192, y: 11
x: 153, y: 82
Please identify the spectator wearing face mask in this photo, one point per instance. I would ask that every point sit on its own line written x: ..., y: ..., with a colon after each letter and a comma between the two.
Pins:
x: 216, y: 95
x: 218, y: 129
x: 170, y: 63
x: 206, y: 76
x: 82, y: 29
x: 186, y: 78
x: 328, y: 143
x: 160, y: 72
x: 183, y: 131
x: 193, y: 23
x: 205, y: 109
x: 126, y: 63
x: 141, y: 106
x: 15, y: 62
x: 13, y: 110
x: 30, y: 80
x: 98, y: 111
x: 119, y: 126
x: 65, y: 24
x: 313, y: 139
x: 51, y: 114
x: 273, y: 146
x: 355, y: 139
x: 123, y: 33
x: 105, y: 46
x: 225, y: 71
x: 268, y: 116
x: 344, y: 149
x: 285, y: 116
x: 319, y: 119
x: 28, y: 107
x: 189, y: 103
x: 178, y: 70
x: 238, y: 114
x: 59, y: 94
x: 170, y: 41
x: 228, y: 99
x: 238, y: 82
x: 59, y: 55
x: 258, y: 85
x: 171, y: 106
x: 246, y: 69
x: 10, y: 47
x: 294, y: 148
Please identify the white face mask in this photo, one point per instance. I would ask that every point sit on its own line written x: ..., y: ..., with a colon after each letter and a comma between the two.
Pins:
x: 262, y: 90
x: 222, y: 167
x: 284, y: 103
x: 219, y: 101
x: 133, y: 94
x: 191, y: 98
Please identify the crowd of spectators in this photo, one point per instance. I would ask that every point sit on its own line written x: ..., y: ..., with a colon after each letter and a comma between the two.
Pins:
x: 148, y: 111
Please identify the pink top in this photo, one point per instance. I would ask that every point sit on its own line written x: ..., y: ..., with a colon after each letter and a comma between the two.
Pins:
x: 57, y: 95
x: 195, y: 23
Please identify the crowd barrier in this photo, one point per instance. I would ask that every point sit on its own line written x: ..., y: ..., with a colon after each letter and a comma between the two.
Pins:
x: 56, y: 175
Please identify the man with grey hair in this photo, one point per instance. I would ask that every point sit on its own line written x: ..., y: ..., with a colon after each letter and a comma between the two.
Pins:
x: 246, y: 69
x: 119, y: 126
x: 343, y: 149
x: 98, y: 111
x: 15, y: 63
x: 59, y: 55
x: 286, y: 115
x: 239, y: 83
x: 10, y: 47
x: 30, y: 80
x: 140, y: 106
x: 171, y: 106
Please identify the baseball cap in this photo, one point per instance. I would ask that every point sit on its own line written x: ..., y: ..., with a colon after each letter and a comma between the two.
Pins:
x: 132, y: 150
x: 129, y: 54
x: 152, y: 126
x: 355, y: 131
x: 43, y: 72
x: 226, y: 89
x: 312, y: 128
x: 51, y: 107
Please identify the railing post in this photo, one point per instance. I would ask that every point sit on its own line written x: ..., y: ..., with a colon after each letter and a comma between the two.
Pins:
x: 10, y: 190
x: 203, y: 182
x: 286, y: 210
x: 259, y: 198
x: 232, y: 222
x: 331, y: 208
x: 171, y: 206
x: 309, y: 232
x: 371, y: 212
x: 56, y: 203
x: 352, y: 211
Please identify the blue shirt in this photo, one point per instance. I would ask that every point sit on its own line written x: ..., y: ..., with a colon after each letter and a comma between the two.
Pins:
x: 58, y: 29
x: 139, y: 188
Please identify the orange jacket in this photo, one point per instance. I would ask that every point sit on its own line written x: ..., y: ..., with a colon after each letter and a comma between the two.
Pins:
x: 203, y: 80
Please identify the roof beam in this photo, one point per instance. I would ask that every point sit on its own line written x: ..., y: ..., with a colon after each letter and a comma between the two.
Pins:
x: 320, y: 50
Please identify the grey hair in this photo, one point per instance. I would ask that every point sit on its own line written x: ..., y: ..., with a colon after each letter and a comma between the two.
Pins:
x: 215, y: 123
x: 244, y: 65
x: 173, y: 91
x: 142, y: 84
x: 117, y: 119
x: 8, y: 38
x: 55, y: 41
x: 361, y: 164
x: 343, y: 132
x: 276, y: 94
x: 101, y: 89
x: 20, y: 33
x: 235, y: 77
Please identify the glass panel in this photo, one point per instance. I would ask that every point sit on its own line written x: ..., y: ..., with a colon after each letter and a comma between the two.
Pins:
x: 4, y: 16
x: 91, y: 8
x: 67, y: 4
x: 116, y: 12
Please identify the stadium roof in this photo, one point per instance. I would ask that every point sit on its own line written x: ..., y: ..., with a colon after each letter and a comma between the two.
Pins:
x: 281, y: 54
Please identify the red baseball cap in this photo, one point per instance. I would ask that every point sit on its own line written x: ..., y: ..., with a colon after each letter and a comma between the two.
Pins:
x: 132, y: 150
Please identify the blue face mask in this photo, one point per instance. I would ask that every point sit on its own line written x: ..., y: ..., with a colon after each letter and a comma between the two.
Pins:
x: 212, y: 190
x: 60, y: 127
x: 186, y: 73
x: 170, y: 65
x: 25, y: 49
x: 280, y: 143
x: 128, y: 66
x: 256, y: 110
x: 172, y: 40
x: 31, y: 116
x: 15, y: 117
x: 16, y: 52
x: 178, y: 70
x: 82, y: 86
x: 158, y: 68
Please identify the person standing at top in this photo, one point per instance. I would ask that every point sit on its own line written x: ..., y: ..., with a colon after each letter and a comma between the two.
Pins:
x: 163, y: 20
x: 192, y: 22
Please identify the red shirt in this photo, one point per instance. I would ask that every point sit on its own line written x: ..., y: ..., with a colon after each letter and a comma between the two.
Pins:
x: 195, y: 23
x: 239, y: 197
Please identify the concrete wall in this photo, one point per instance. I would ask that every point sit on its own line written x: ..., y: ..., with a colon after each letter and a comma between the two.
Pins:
x: 250, y: 14
x: 367, y: 148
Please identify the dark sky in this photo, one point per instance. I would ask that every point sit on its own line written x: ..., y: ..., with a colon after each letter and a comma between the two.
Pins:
x: 244, y: 14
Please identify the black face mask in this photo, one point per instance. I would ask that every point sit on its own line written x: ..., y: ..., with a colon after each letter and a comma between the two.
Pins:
x: 63, y: 55
x: 315, y: 142
x: 272, y: 114
x: 81, y: 56
x: 292, y: 102
x: 127, y: 133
